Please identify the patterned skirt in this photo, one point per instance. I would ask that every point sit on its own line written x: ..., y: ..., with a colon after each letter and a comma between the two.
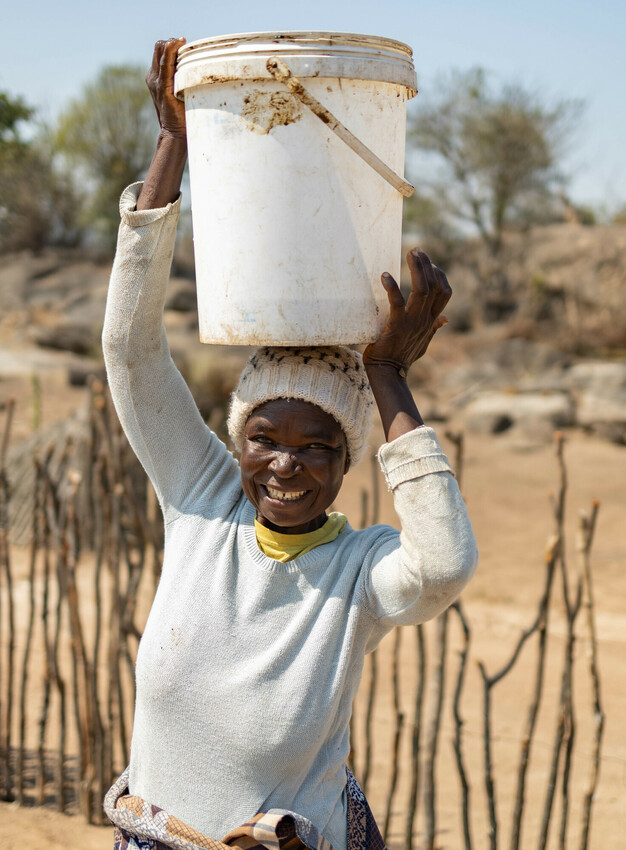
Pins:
x: 142, y: 826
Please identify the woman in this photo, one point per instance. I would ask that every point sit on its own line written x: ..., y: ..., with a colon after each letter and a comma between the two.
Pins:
x: 266, y: 607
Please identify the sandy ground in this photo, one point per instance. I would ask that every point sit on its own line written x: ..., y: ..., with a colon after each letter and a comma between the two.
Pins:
x: 507, y: 481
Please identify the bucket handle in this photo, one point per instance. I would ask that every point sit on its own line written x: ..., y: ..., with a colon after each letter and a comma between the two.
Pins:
x: 281, y: 72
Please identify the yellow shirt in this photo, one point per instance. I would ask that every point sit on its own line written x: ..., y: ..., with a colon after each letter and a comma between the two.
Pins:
x: 286, y: 547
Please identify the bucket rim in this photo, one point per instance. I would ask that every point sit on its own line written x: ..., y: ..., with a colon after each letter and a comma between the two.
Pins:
x: 314, y: 37
x: 307, y: 53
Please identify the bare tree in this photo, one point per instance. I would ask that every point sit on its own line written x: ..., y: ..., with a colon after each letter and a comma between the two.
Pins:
x: 498, y: 155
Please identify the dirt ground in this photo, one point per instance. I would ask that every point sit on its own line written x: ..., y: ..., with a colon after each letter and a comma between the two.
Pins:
x: 507, y: 481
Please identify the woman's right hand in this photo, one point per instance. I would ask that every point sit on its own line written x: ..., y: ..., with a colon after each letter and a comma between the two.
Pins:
x: 160, y: 80
x: 162, y: 183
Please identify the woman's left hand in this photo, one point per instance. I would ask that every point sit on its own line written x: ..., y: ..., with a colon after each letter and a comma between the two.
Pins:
x: 412, y: 324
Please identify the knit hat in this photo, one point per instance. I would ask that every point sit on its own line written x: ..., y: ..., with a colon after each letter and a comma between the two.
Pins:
x: 333, y: 378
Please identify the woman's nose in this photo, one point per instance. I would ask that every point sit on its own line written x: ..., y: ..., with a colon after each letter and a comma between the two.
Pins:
x: 284, y: 462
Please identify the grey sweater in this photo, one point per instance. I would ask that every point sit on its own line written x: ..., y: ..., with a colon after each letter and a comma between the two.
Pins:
x: 247, y: 668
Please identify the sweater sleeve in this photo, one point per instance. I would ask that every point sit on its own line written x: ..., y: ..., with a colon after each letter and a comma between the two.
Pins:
x: 185, y: 461
x: 422, y: 571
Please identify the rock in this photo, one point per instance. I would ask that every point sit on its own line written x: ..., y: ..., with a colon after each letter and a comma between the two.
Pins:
x: 600, y: 376
x: 524, y: 356
x: 533, y: 366
x: 182, y: 300
x: 468, y: 378
x: 600, y: 391
x: 603, y: 412
x: 594, y: 406
x: 614, y: 432
x: 79, y: 376
x: 541, y: 413
x: 79, y: 339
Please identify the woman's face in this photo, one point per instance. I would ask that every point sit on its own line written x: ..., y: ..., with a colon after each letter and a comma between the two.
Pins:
x: 293, y: 460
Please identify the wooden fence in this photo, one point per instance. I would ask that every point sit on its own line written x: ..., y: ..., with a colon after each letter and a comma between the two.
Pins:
x: 74, y: 597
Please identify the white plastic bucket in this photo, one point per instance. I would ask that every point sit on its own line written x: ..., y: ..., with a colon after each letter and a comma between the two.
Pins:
x: 292, y: 226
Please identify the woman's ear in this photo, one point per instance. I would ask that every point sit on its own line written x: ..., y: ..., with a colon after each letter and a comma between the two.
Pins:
x: 347, y: 466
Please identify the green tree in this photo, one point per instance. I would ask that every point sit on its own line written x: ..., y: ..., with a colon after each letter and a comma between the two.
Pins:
x: 500, y: 149
x: 107, y: 136
x: 37, y: 206
x: 13, y: 110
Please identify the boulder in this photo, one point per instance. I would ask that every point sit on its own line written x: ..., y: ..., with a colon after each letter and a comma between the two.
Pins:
x: 597, y: 406
x: 600, y: 392
x: 601, y: 376
x: 79, y: 339
x: 540, y: 413
x: 182, y: 298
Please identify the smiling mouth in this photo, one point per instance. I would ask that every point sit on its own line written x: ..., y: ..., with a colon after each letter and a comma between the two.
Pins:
x: 284, y: 495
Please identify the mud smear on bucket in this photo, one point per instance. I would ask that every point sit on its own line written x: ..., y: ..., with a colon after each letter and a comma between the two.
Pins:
x: 263, y: 110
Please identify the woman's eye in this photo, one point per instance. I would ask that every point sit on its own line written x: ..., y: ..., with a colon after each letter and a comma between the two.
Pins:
x: 317, y: 446
x: 262, y: 439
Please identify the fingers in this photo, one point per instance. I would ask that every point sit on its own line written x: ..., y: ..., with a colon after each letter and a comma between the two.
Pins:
x: 443, y: 294
x: 156, y: 61
x: 153, y: 72
x: 168, y: 57
x: 396, y: 299
x: 422, y: 274
x: 439, y: 322
x: 160, y: 81
x: 430, y: 290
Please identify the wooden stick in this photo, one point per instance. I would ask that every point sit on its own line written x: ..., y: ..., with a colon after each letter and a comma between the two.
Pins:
x: 552, y: 554
x: 34, y: 545
x: 46, y: 635
x: 99, y: 780
x: 103, y: 497
x: 100, y: 503
x: 458, y: 440
x: 97, y: 509
x: 84, y: 698
x: 364, y: 508
x: 375, y: 489
x: 6, y: 716
x: 587, y: 529
x: 363, y: 523
x: 399, y: 718
x: 459, y: 723
x: 117, y: 630
x: 152, y: 555
x: 55, y: 509
x: 490, y: 789
x: 564, y: 730
x: 432, y: 732
x: 533, y: 710
x: 351, y: 761
x: 6, y: 431
x: 416, y: 738
x: 570, y: 726
x: 369, y: 720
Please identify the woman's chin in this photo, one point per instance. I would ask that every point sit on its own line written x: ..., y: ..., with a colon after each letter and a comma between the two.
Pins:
x: 289, y: 517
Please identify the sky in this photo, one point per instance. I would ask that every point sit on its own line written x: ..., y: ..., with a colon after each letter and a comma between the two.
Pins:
x: 562, y: 50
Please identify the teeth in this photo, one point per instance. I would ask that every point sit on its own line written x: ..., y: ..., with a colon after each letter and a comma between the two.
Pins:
x: 284, y: 496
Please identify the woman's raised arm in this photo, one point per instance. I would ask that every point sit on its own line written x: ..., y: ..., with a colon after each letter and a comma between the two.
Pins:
x: 155, y: 406
x: 162, y: 183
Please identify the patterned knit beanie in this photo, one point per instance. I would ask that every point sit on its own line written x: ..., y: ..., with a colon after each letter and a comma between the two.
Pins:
x: 332, y: 378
